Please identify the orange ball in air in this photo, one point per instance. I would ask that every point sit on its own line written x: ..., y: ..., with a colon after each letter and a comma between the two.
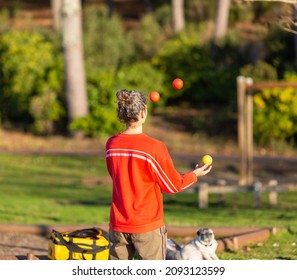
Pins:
x: 177, y: 83
x: 154, y: 96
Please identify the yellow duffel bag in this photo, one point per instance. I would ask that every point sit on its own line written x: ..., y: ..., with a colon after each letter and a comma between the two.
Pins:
x: 83, y: 244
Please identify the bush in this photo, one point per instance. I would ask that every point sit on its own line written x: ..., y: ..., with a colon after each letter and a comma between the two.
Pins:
x: 204, y: 81
x: 261, y: 71
x: 46, y: 109
x: 102, y: 118
x: 275, y: 113
x: 280, y: 49
x: 241, y: 12
x: 147, y: 37
x: 106, y: 45
x: 163, y: 16
x: 29, y: 67
x: 144, y: 77
x: 102, y: 88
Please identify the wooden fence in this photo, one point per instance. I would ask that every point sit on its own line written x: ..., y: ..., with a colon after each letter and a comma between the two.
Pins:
x: 272, y: 189
x: 245, y: 89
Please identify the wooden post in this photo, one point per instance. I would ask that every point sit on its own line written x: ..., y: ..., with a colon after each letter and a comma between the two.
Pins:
x: 203, y: 195
x: 273, y: 197
x: 241, y: 87
x: 245, y: 130
x: 235, y: 243
x: 32, y: 257
x: 272, y: 192
x: 249, y: 134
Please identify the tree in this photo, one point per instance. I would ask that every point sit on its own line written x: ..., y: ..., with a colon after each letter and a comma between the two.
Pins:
x: 75, y: 84
x: 290, y: 24
x: 221, y: 22
x: 178, y: 16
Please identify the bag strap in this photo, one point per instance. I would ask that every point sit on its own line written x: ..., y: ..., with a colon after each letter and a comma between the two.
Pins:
x: 89, y: 232
x: 75, y: 248
x: 84, y: 233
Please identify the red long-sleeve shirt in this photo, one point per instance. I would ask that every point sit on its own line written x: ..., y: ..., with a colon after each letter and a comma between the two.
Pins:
x: 141, y: 169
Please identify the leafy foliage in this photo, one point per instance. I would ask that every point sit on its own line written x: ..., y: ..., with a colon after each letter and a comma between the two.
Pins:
x: 28, y: 68
x: 102, y: 98
x: 106, y: 45
x: 144, y: 77
x: 276, y: 113
x: 204, y: 80
x: 280, y: 49
x: 261, y: 71
x: 102, y: 118
x: 148, y: 37
x: 46, y: 109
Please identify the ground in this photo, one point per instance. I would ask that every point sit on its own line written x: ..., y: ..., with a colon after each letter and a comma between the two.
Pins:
x: 20, y: 244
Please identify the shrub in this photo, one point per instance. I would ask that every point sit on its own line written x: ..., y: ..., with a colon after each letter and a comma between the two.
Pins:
x: 144, y: 77
x: 280, y: 49
x: 29, y: 67
x: 102, y: 118
x: 163, y: 16
x: 261, y: 71
x: 105, y: 42
x: 241, y: 12
x: 46, y: 109
x: 204, y: 81
x: 147, y: 37
x: 102, y: 87
x: 275, y: 113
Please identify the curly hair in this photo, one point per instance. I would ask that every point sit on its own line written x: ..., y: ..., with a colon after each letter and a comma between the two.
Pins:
x: 130, y: 104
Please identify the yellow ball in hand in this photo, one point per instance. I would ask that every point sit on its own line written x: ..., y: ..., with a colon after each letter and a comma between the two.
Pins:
x: 207, y: 159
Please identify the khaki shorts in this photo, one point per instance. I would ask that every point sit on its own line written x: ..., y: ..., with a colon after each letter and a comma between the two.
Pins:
x: 149, y: 245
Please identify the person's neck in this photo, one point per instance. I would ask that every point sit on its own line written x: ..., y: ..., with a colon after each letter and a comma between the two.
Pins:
x: 134, y: 129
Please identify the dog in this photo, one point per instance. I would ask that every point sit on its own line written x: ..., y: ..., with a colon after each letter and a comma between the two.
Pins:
x: 203, y: 247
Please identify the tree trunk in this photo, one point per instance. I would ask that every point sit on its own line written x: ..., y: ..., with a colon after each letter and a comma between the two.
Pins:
x: 221, y: 22
x: 76, y: 95
x: 178, y: 15
x: 56, y: 12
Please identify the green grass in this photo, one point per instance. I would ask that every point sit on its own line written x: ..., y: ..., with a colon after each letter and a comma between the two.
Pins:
x: 48, y: 190
x: 236, y: 210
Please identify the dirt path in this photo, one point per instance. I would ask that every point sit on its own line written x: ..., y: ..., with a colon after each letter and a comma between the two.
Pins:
x: 13, y: 244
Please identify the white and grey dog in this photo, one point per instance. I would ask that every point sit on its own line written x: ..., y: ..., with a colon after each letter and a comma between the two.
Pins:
x: 203, y: 247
